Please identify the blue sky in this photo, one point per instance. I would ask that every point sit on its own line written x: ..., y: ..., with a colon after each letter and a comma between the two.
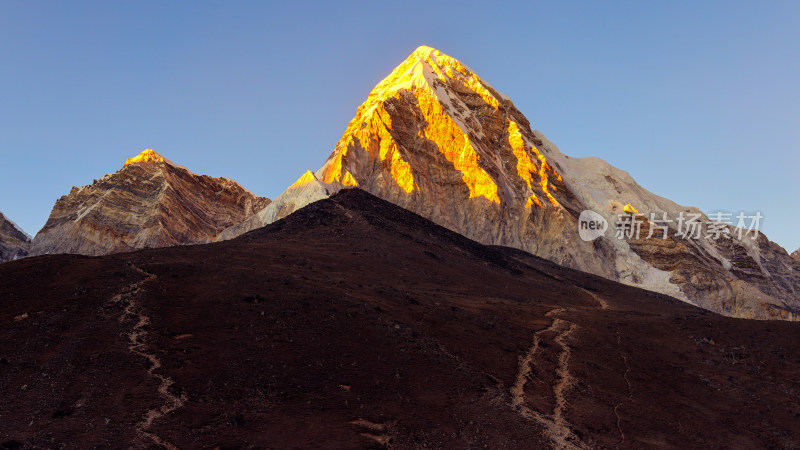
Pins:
x: 699, y: 101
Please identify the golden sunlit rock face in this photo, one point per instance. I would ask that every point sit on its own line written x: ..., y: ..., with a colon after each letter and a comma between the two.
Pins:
x: 526, y: 167
x: 380, y: 144
x: 430, y: 110
x: 148, y: 155
x: 435, y: 138
x: 455, y: 145
x: 348, y: 180
x: 306, y: 178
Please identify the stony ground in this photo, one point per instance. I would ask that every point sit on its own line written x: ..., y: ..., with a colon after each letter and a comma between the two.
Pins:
x: 355, y: 324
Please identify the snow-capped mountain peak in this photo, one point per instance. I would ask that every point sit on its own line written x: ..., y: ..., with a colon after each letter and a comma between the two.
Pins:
x: 435, y: 138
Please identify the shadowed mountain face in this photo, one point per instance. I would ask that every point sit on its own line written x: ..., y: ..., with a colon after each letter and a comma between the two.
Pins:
x: 150, y: 202
x: 435, y: 138
x: 14, y: 243
x: 355, y: 323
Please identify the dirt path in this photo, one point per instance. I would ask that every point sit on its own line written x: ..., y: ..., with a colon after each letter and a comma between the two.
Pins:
x: 565, y: 380
x: 137, y: 337
x: 600, y: 300
x: 630, y: 392
x: 556, y: 427
x: 378, y: 432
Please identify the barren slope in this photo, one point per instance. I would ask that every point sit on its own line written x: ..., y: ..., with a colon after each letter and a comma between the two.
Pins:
x: 354, y: 323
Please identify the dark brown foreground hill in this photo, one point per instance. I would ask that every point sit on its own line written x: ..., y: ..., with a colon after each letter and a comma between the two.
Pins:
x: 353, y: 324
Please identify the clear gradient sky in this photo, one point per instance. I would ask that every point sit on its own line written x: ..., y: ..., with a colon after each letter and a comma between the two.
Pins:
x: 699, y: 101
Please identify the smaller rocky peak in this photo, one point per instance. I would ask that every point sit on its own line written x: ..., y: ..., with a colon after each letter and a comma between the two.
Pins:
x: 306, y: 178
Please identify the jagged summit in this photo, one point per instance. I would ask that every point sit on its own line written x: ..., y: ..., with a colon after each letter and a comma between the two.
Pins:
x: 148, y: 155
x: 442, y: 97
x: 149, y: 202
x: 429, y: 68
x: 423, y: 50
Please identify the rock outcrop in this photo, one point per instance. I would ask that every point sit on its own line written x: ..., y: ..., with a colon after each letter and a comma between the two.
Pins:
x: 796, y: 255
x: 150, y: 202
x: 436, y: 139
x: 14, y: 243
x: 307, y: 189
